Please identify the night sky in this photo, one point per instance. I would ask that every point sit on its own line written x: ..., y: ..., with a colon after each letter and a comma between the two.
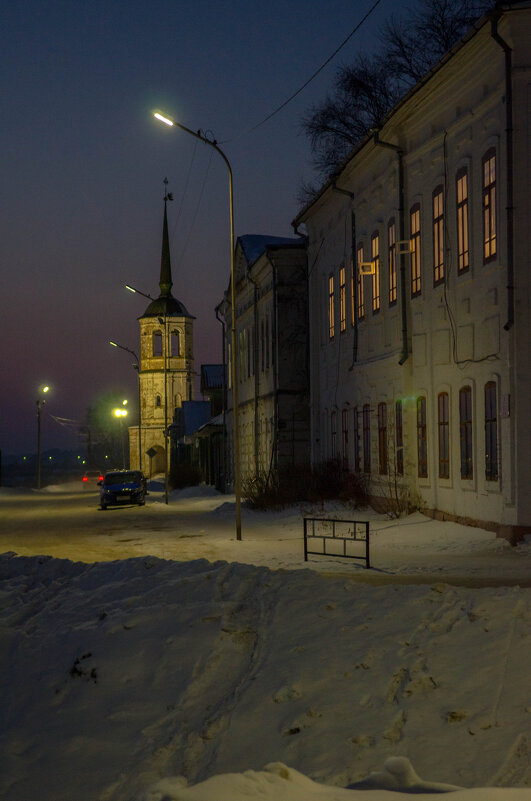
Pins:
x: 83, y: 163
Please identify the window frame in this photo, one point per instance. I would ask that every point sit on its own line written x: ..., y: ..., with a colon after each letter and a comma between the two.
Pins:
x: 415, y: 245
x: 399, y: 437
x: 437, y: 206
x: 342, y: 299
x: 462, y: 220
x: 331, y: 319
x: 357, y: 449
x: 492, y: 469
x: 366, y: 438
x: 344, y: 438
x: 157, y: 337
x: 375, y: 258
x: 466, y: 433
x: 443, y: 427
x: 422, y: 438
x: 383, y: 454
x: 359, y: 279
x: 488, y: 203
x: 391, y: 262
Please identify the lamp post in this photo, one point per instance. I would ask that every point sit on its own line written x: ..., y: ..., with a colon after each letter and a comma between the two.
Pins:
x: 234, y: 361
x: 120, y: 413
x: 40, y: 402
x: 165, y: 323
x: 136, y: 366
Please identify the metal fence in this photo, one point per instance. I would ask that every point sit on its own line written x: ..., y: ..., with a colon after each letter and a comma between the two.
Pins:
x: 341, y: 538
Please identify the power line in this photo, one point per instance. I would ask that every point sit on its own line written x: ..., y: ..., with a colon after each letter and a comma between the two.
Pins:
x: 310, y: 79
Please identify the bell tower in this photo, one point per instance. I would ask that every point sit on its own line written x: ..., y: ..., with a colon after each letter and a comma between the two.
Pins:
x: 166, y: 365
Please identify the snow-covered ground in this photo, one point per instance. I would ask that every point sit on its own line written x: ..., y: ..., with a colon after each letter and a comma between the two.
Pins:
x: 184, y: 677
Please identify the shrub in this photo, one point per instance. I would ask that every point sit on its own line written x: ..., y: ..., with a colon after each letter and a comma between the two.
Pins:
x: 299, y: 483
x: 184, y: 474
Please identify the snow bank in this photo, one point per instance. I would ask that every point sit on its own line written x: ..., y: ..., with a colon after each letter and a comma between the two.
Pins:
x: 124, y: 674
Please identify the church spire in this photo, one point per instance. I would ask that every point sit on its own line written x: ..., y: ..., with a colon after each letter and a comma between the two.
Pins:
x: 165, y: 282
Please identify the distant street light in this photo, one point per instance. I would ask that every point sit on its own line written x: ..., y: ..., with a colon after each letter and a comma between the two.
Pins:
x: 165, y: 323
x: 136, y: 366
x: 40, y: 402
x: 234, y: 361
x: 120, y: 413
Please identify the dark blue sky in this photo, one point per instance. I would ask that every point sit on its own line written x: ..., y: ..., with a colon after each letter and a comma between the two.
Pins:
x: 83, y: 162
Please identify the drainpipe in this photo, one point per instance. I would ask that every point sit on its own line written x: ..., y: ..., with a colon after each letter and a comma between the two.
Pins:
x: 256, y: 372
x: 509, y: 147
x: 223, y: 395
x: 402, y: 256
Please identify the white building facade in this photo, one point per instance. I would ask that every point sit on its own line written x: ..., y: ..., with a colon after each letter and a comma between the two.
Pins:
x: 419, y: 293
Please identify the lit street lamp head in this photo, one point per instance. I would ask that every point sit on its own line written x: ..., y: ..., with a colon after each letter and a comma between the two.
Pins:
x: 162, y: 118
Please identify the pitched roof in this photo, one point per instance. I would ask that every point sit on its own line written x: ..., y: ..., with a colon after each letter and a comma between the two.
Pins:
x: 253, y: 245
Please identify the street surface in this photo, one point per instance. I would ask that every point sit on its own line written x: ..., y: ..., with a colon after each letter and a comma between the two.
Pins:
x: 66, y: 522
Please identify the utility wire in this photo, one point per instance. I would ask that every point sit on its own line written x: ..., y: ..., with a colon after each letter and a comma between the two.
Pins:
x: 310, y: 79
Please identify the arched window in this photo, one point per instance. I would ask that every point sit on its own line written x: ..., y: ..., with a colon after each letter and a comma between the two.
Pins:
x: 444, y: 435
x: 422, y: 440
x: 157, y: 343
x: 158, y: 402
x: 491, y: 432
x: 175, y: 343
x: 465, y: 430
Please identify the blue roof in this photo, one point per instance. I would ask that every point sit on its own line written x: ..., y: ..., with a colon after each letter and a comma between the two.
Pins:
x: 253, y: 245
x: 195, y: 414
x: 211, y: 376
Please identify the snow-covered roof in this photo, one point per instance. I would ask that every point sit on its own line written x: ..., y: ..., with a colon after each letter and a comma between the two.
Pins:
x: 253, y: 245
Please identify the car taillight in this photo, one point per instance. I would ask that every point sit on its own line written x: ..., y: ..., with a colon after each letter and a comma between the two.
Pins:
x: 100, y: 478
x: 84, y: 478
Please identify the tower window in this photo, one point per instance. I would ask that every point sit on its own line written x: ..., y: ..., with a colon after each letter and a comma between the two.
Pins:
x: 175, y: 343
x: 158, y: 402
x: 157, y: 343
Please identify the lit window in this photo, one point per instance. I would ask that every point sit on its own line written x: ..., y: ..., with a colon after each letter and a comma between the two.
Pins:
x: 361, y: 303
x: 391, y: 256
x: 366, y: 438
x: 461, y: 188
x: 444, y: 435
x: 414, y: 223
x: 438, y: 235
x: 399, y: 439
x: 375, y: 258
x: 344, y: 438
x: 342, y: 300
x: 491, y: 432
x: 157, y: 343
x: 489, y: 205
x: 422, y: 442
x: 465, y: 431
x: 331, y: 306
x: 382, y: 438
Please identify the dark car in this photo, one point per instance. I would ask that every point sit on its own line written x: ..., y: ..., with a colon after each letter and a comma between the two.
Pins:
x: 91, y: 478
x: 122, y: 486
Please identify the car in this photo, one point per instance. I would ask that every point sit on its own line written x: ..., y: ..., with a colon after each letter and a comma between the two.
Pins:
x: 122, y: 487
x: 91, y: 478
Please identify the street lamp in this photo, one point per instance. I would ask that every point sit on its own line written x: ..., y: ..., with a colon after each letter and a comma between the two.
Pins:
x: 234, y: 362
x: 137, y: 368
x: 120, y: 413
x: 40, y: 402
x: 165, y: 323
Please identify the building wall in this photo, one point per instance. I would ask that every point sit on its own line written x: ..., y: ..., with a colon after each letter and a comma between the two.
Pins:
x: 457, y: 333
x: 272, y: 336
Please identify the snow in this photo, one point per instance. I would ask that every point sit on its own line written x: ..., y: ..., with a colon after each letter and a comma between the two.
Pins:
x: 251, y: 674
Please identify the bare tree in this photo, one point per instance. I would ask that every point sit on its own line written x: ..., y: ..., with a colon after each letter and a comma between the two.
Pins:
x: 365, y: 91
